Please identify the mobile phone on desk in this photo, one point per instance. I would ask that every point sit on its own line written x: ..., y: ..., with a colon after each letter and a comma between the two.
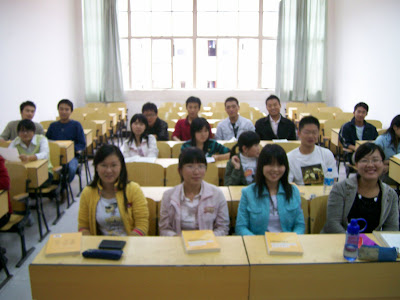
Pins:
x: 112, y: 245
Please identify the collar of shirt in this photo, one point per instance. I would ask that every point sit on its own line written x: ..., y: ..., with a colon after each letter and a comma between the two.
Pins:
x: 18, y: 141
x: 273, y: 122
x: 197, y: 197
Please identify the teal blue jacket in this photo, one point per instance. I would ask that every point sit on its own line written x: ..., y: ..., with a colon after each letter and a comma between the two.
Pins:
x: 253, y: 212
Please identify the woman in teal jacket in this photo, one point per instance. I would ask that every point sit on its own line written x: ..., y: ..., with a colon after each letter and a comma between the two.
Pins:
x: 271, y: 203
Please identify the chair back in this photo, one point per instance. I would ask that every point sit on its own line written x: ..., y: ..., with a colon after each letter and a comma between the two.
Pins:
x: 18, y: 184
x: 329, y: 124
x: 164, y: 150
x: 376, y: 123
x: 46, y: 124
x: 331, y: 109
x: 212, y: 174
x: 96, y: 104
x: 323, y: 115
x: 152, y: 206
x: 176, y: 150
x: 219, y: 114
x: 288, y: 146
x: 306, y: 213
x: 145, y: 174
x: 77, y: 116
x: 117, y: 104
x: 344, y: 116
x: 318, y: 207
x: 316, y: 104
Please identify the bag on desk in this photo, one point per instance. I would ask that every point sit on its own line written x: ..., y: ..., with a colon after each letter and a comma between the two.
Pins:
x: 377, y: 253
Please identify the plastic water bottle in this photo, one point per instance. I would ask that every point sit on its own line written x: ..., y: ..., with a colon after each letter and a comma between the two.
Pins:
x: 328, y: 181
x: 350, y: 251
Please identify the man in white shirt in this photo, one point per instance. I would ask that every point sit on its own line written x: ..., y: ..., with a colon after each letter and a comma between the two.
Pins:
x: 310, y: 162
x: 234, y: 125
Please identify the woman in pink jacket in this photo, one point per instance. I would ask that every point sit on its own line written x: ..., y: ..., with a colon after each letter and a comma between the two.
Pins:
x: 194, y: 204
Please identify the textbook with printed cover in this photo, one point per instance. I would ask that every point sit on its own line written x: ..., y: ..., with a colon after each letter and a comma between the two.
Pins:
x: 64, y: 244
x: 197, y: 241
x: 283, y: 243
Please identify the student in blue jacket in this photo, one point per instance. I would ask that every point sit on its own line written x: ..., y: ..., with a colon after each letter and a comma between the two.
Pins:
x: 271, y: 203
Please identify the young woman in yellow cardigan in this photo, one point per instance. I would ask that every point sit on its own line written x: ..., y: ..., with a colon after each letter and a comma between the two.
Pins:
x: 111, y: 205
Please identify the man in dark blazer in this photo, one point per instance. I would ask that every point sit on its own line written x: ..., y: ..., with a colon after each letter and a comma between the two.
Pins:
x: 274, y: 126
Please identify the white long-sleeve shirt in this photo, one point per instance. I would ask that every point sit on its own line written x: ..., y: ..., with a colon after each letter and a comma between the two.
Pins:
x: 43, y: 152
x: 147, y: 148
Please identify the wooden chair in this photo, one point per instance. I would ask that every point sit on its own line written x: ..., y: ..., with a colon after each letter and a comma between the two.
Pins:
x: 316, y: 104
x: 306, y: 212
x: 173, y: 178
x: 327, y: 130
x: 46, y: 124
x: 153, y: 217
x: 331, y: 109
x: 89, y: 124
x: 376, y: 123
x: 318, y: 207
x: 288, y: 146
x: 323, y: 115
x: 96, y: 104
x: 102, y: 116
x: 176, y: 150
x: 19, y: 201
x: 146, y: 174
x: 344, y: 116
x: 219, y: 114
x: 77, y: 116
x: 164, y: 150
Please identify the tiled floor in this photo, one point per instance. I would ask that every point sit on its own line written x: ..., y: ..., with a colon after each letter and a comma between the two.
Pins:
x: 19, y: 286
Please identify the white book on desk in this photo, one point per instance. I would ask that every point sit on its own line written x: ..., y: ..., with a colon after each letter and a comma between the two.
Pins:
x: 388, y: 239
x: 10, y: 154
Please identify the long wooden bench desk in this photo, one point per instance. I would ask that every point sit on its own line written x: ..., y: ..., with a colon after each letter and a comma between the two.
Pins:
x: 321, y: 273
x: 151, y: 268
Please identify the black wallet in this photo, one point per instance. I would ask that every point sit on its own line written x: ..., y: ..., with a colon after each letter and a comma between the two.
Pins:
x: 103, y: 254
x: 112, y: 245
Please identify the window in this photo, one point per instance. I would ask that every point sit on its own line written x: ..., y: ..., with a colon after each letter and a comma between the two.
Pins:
x: 203, y: 44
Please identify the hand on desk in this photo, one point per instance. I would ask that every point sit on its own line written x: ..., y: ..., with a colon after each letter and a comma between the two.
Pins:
x: 27, y: 158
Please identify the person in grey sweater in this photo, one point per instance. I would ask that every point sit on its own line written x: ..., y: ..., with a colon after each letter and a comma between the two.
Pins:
x: 363, y: 196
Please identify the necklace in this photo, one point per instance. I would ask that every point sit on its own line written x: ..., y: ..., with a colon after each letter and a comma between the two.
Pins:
x: 375, y: 198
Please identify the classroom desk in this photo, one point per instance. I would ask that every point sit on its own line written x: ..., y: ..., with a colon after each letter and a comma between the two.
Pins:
x: 151, y: 268
x: 335, y: 136
x: 321, y: 273
x: 394, y: 169
x: 359, y: 143
x: 67, y: 150
x: 88, y: 137
x: 38, y: 172
x: 3, y: 202
x: 101, y: 126
x: 311, y: 191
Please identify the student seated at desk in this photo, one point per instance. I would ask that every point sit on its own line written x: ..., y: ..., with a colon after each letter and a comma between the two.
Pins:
x: 140, y: 143
x: 32, y: 146
x: 194, y: 204
x: 363, y: 196
x: 271, y: 203
x: 68, y: 129
x: 200, y: 138
x: 390, y: 144
x: 111, y: 205
x: 241, y: 168
x: 5, y: 185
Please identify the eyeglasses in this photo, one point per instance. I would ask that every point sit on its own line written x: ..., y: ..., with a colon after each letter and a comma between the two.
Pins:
x: 195, y: 167
x: 372, y: 161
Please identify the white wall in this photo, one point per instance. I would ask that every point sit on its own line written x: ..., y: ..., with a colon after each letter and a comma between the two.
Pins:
x: 40, y: 56
x: 363, y: 56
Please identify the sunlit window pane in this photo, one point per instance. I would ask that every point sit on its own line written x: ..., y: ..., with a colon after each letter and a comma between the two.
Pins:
x: 206, y: 63
x: 160, y: 5
x: 271, y: 5
x: 207, y: 24
x: 161, y: 64
x: 227, y: 63
x: 140, y: 5
x: 270, y: 24
x: 141, y: 63
x: 248, y: 24
x: 227, y: 5
x: 207, y: 5
x: 248, y: 5
x: 182, y: 24
x: 183, y: 63
x: 268, y: 64
x: 248, y: 63
x: 227, y: 24
x: 123, y: 24
x: 161, y: 51
x: 141, y: 24
x: 161, y: 24
x: 182, y: 5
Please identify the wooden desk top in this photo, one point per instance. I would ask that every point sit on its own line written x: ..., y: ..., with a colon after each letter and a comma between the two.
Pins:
x: 154, y: 251
x: 335, y: 136
x: 88, y: 137
x: 318, y: 249
x: 236, y: 192
x: 307, y: 190
x: 38, y: 172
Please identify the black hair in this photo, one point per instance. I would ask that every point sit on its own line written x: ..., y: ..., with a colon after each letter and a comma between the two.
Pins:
x: 149, y: 106
x: 308, y: 120
x: 101, y: 154
x: 270, y: 154
x: 193, y: 99
x: 27, y: 125
x: 367, y: 148
x: 66, y: 101
x: 197, y: 125
x: 231, y: 99
x: 395, y: 138
x: 248, y: 139
x: 25, y: 104
x: 142, y: 119
x: 361, y: 104
x: 191, y: 155
x: 272, y: 97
